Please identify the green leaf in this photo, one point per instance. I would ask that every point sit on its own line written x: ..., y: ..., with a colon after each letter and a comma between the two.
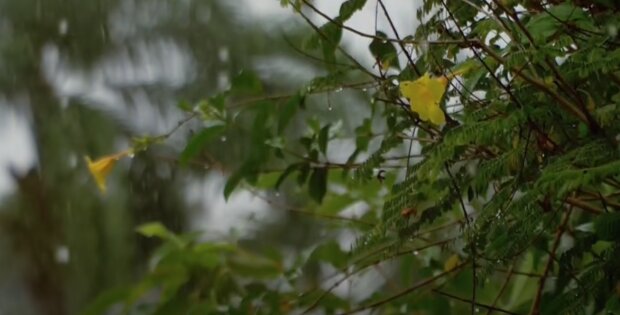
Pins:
x: 198, y: 141
x: 288, y: 171
x: 104, y: 301
x: 328, y: 300
x: 324, y: 138
x: 248, y: 171
x: 607, y: 226
x: 349, y: 7
x: 276, y: 143
x: 331, y: 253
x: 330, y: 33
x: 304, y: 171
x: 185, y: 106
x: 153, y: 229
x: 318, y: 184
x: 384, y: 51
x: 334, y: 203
x: 156, y: 229
x: 246, y: 83
x: 254, y: 266
x: 288, y: 111
x: 477, y: 71
x: 546, y: 24
x: 205, y: 258
x: 364, y: 134
x: 232, y: 182
x: 327, y: 38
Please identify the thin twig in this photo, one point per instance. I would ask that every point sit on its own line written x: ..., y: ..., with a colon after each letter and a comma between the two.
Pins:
x: 471, y: 245
x: 404, y: 292
x: 535, y: 310
x: 393, y: 40
x: 490, y: 307
x: 344, y: 52
x: 400, y: 42
x: 364, y: 267
x: 503, y: 288
x: 308, y: 213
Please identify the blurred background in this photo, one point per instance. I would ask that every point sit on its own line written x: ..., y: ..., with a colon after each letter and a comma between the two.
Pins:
x: 82, y: 77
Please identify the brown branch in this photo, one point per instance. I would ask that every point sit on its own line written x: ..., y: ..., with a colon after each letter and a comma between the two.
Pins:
x: 252, y: 100
x: 344, y: 52
x: 364, y: 267
x: 583, y: 205
x: 502, y: 289
x: 562, y: 82
x: 520, y: 273
x: 568, y: 106
x: 404, y: 292
x: 535, y: 310
x: 472, y: 245
x: 393, y: 40
x: 290, y: 209
x: 489, y: 307
x: 400, y: 43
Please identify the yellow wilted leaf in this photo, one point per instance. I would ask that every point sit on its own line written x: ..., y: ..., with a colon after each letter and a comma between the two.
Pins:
x: 424, y: 95
x: 101, y: 168
x: 451, y: 263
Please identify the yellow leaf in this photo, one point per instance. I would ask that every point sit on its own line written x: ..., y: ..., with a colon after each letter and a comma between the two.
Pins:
x: 451, y: 263
x: 424, y: 95
x: 101, y: 168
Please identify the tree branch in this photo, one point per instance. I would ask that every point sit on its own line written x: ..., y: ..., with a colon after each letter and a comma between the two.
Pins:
x: 556, y: 242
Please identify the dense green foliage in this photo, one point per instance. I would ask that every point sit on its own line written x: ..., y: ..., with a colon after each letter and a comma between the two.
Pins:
x: 511, y: 206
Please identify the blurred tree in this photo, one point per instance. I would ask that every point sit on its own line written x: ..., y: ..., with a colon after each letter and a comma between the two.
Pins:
x: 72, y: 243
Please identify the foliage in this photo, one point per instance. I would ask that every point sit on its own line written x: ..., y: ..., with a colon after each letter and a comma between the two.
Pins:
x: 520, y: 186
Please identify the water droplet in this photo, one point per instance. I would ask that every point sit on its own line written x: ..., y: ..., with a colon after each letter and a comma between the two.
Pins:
x: 63, y: 27
x: 477, y: 310
x: 395, y: 81
x: 223, y: 139
x: 131, y: 155
x: 72, y: 160
x: 424, y: 46
x: 384, y: 41
x: 416, y: 253
x: 277, y: 194
x: 62, y: 254
x: 338, y: 89
x: 223, y: 54
x: 329, y: 107
x: 364, y: 89
x: 612, y: 30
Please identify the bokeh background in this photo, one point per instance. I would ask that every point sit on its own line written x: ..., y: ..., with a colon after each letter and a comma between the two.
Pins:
x: 83, y: 77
